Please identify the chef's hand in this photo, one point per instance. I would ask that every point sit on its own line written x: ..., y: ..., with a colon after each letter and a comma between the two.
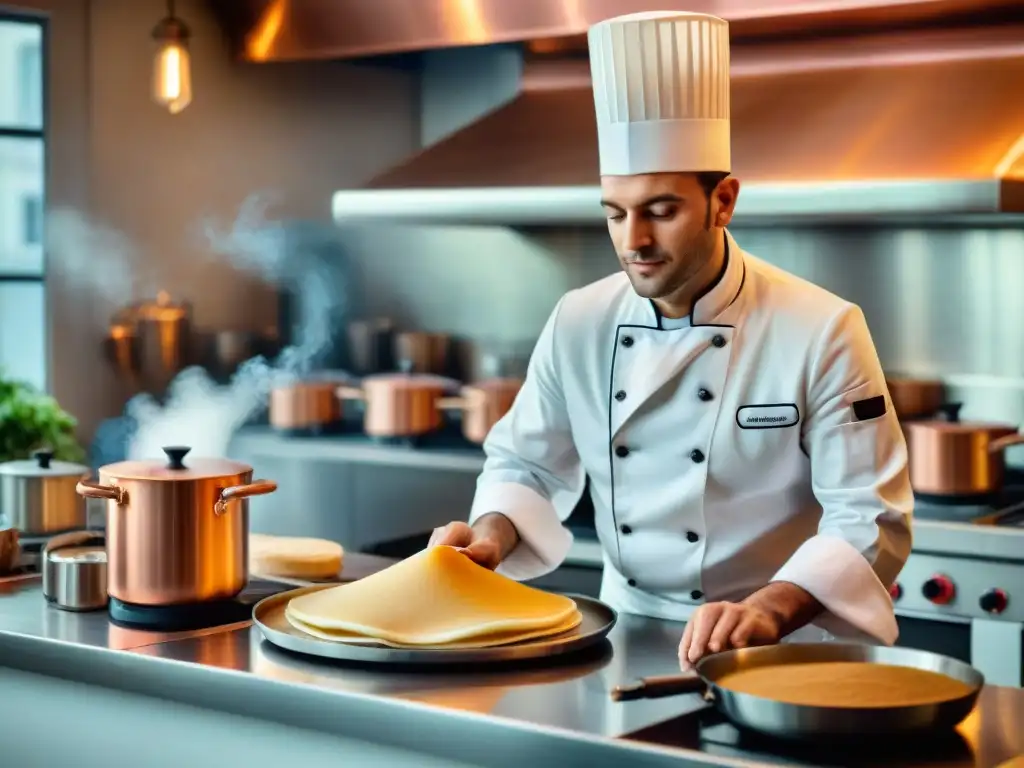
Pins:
x: 763, y: 618
x: 716, y: 627
x: 486, y: 543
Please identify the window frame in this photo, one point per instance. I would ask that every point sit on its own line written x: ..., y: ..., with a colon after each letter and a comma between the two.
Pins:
x: 42, y: 134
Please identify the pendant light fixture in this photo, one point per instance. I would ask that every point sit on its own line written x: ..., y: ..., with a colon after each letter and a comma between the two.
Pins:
x: 172, y: 76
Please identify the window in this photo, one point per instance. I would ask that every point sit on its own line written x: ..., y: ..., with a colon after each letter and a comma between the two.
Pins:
x: 30, y: 83
x: 31, y: 220
x: 22, y: 198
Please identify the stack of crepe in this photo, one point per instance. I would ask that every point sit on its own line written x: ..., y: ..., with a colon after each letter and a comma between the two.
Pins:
x: 436, y: 599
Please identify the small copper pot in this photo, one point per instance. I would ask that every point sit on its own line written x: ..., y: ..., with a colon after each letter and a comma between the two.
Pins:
x: 916, y: 398
x: 949, y: 457
x: 483, y: 404
x: 176, y: 534
x: 400, y: 404
x: 305, y: 407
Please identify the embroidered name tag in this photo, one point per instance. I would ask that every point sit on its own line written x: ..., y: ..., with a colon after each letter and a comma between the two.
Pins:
x: 767, y: 416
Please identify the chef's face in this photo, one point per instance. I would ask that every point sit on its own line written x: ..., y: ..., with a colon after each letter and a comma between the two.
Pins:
x: 665, y: 227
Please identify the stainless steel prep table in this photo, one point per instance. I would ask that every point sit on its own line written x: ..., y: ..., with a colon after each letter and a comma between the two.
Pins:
x: 485, y: 717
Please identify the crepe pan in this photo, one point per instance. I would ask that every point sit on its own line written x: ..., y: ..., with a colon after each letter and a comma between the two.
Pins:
x: 793, y: 721
x: 268, y: 615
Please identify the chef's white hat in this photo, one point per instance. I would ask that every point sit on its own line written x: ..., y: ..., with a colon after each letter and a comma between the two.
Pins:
x: 661, y: 91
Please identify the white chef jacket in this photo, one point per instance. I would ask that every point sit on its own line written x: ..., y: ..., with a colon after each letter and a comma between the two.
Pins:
x: 755, y: 444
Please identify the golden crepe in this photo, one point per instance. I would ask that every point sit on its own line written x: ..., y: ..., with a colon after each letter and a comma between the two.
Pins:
x: 437, y: 597
x: 861, y: 685
x: 480, y: 641
x: 294, y: 557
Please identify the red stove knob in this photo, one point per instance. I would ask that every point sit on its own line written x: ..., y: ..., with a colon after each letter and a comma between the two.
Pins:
x: 939, y: 589
x: 896, y: 591
x: 994, y: 601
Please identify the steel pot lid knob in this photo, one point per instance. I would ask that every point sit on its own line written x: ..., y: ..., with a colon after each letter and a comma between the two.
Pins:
x: 43, y: 457
x: 176, y: 456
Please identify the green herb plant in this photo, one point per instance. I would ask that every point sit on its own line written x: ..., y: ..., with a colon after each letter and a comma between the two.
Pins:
x: 31, y: 420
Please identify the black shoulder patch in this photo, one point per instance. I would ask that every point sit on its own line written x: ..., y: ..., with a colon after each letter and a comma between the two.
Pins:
x: 871, y: 408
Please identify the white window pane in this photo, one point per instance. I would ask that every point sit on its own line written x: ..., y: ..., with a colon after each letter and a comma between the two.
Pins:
x: 21, y: 74
x: 23, y: 332
x: 21, y: 206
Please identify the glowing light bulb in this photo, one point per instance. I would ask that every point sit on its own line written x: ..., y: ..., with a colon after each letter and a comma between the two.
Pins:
x: 172, y: 67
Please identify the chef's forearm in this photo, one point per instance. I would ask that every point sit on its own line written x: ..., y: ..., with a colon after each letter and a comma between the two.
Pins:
x: 496, y: 526
x: 791, y: 606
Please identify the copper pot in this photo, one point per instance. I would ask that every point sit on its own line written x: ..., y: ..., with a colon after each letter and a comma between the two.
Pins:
x: 176, y: 534
x: 400, y: 404
x: 305, y: 407
x: 483, y: 404
x: 915, y: 398
x: 419, y: 352
x: 949, y: 457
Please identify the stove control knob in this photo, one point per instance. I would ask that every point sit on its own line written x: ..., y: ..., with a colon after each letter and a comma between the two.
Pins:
x: 994, y: 601
x: 896, y: 592
x: 939, y: 589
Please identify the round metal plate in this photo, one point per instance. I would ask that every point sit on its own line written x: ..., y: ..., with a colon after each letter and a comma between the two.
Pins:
x: 268, y: 615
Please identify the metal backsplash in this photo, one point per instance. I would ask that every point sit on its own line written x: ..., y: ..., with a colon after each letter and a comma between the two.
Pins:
x: 938, y: 301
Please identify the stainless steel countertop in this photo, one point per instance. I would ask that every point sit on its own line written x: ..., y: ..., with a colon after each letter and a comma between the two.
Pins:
x: 547, y: 707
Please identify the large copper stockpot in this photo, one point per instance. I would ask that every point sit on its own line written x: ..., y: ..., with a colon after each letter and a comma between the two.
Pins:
x: 176, y: 533
x: 949, y: 457
x: 915, y: 398
x: 483, y: 403
x: 401, y: 404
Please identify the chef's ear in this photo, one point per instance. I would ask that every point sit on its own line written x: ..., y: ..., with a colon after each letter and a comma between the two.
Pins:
x: 723, y: 201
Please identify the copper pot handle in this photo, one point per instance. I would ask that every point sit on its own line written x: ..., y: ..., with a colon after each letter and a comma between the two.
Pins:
x: 350, y: 393
x: 1002, y: 443
x: 255, y: 488
x: 452, y: 403
x: 114, y: 493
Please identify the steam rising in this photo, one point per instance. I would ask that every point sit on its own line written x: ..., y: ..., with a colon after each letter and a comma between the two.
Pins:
x: 197, y: 411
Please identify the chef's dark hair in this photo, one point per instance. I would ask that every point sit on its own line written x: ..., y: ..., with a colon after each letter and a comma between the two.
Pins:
x: 708, y: 180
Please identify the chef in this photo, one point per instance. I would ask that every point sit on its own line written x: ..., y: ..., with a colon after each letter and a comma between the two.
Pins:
x: 748, y: 473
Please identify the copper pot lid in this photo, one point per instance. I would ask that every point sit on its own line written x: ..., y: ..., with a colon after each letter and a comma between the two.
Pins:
x: 42, y: 465
x: 951, y: 423
x: 175, y: 467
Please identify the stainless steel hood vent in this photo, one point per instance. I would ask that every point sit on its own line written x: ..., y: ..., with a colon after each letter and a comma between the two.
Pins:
x: 892, y: 125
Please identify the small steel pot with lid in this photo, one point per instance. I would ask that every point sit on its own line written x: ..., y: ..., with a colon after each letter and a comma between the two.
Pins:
x: 949, y: 457
x: 37, y: 495
x: 177, y: 533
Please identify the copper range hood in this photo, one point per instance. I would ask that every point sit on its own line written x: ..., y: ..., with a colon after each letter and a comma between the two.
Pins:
x: 832, y: 118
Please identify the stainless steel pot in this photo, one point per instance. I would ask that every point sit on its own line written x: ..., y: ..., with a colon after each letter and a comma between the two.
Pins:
x: 793, y: 721
x: 176, y: 533
x: 75, y: 571
x: 37, y: 495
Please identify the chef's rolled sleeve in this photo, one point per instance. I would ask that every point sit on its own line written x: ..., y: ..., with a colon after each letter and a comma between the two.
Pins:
x: 860, y: 477
x: 532, y: 473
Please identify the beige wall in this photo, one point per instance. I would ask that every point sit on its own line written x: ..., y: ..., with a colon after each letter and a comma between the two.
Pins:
x: 298, y: 130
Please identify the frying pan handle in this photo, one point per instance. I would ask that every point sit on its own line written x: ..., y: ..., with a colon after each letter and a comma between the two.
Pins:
x: 659, y: 687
